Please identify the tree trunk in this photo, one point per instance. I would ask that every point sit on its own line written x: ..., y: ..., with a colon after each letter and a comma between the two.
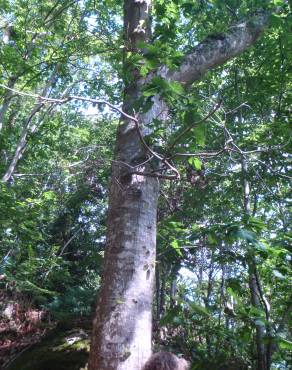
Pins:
x: 121, y: 336
x: 29, y: 128
x: 253, y: 283
x: 122, y: 328
x: 260, y: 329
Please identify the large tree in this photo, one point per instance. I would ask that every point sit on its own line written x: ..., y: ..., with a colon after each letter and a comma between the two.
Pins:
x: 122, y: 327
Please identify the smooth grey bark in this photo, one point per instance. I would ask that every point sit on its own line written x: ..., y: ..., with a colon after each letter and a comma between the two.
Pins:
x: 122, y: 328
x: 121, y: 338
x: 217, y: 49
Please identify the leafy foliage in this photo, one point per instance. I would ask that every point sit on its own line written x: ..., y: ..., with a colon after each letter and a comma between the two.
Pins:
x: 224, y: 222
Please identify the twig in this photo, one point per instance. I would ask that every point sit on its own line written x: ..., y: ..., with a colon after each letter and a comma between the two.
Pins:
x: 202, y: 154
x: 68, y: 242
x: 273, y: 171
x: 156, y: 155
x: 149, y: 174
x: 68, y: 98
x: 191, y: 126
x: 28, y: 174
x: 236, y: 109
x: 184, y: 247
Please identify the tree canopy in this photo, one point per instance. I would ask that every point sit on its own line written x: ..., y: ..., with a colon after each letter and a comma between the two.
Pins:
x: 223, y: 265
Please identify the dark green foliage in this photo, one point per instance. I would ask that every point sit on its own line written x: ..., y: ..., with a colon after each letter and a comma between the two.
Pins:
x: 62, y: 351
x: 76, y: 301
x: 53, y: 208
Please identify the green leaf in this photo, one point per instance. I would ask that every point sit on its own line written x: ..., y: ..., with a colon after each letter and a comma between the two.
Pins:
x: 29, y: 286
x: 279, y: 2
x: 190, y: 116
x: 195, y: 162
x: 160, y: 82
x: 232, y: 293
x: 176, y: 226
x: 176, y: 87
x: 198, y: 309
x: 256, y: 223
x: 175, y: 245
x: 212, y: 240
x: 49, y: 195
x: 170, y: 316
x: 150, y: 92
x: 284, y: 343
x: 247, y: 235
x: 257, y: 312
x: 144, y: 71
x: 276, y: 20
x: 200, y: 137
x: 261, y: 246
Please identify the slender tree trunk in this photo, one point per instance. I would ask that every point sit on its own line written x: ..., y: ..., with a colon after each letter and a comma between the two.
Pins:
x: 121, y: 338
x: 162, y: 292
x: 160, y: 279
x: 6, y: 100
x: 11, y: 80
x: 21, y: 144
x: 157, y: 293
x: 253, y: 285
x: 173, y: 292
x: 252, y: 270
x: 260, y: 329
x: 29, y: 128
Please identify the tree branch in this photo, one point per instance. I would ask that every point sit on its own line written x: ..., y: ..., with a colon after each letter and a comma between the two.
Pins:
x: 217, y: 49
x: 191, y: 126
x: 43, y: 99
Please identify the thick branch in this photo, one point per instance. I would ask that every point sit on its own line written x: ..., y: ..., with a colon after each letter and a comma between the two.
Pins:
x: 217, y: 49
x: 21, y: 143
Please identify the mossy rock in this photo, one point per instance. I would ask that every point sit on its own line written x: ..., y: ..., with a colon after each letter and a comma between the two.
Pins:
x: 59, y: 351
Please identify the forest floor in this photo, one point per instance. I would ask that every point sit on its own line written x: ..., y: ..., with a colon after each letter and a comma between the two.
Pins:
x: 21, y: 326
x: 31, y: 340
